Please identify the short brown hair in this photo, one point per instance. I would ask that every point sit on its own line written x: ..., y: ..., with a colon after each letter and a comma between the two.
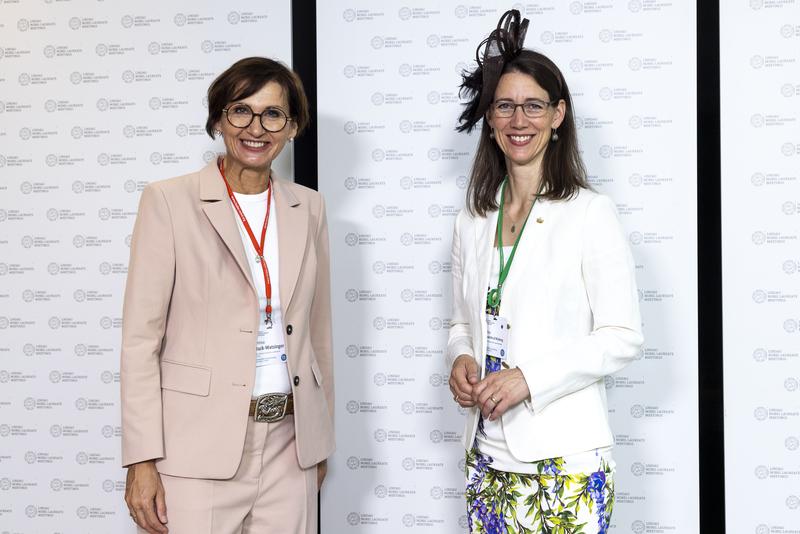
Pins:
x: 245, y: 78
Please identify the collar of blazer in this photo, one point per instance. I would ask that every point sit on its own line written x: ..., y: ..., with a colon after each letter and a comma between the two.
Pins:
x: 292, y: 220
x: 530, y: 249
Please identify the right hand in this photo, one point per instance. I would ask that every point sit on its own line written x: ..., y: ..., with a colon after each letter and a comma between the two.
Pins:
x: 144, y: 495
x: 463, y: 378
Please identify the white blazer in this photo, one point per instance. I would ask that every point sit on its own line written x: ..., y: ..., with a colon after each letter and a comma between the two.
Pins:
x: 573, y: 307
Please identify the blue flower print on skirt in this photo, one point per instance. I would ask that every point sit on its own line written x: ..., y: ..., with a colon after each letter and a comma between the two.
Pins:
x: 550, y: 500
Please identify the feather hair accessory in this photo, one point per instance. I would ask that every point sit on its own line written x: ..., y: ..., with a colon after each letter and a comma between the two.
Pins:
x: 503, y: 44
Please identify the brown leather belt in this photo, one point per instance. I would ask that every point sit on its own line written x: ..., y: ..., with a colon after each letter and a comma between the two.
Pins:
x: 271, y: 407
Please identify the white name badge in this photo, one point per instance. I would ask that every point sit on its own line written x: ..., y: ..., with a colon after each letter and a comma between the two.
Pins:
x: 270, y: 348
x: 497, y: 337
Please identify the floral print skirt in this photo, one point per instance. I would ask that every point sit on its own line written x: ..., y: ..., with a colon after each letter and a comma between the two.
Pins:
x: 550, y: 501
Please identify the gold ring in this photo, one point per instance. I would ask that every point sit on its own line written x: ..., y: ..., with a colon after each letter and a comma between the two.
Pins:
x: 494, y: 400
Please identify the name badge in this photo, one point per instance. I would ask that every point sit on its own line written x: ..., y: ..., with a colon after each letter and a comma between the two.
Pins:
x: 270, y: 348
x: 497, y: 337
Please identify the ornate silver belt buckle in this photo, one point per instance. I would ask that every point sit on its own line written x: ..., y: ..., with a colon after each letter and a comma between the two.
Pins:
x: 271, y: 407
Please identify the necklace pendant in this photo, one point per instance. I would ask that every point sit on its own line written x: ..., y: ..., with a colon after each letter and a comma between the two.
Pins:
x: 513, y: 228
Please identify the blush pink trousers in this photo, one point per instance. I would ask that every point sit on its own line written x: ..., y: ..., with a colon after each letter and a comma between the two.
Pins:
x: 269, y: 493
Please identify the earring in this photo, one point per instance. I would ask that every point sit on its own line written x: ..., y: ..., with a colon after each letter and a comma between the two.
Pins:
x: 491, y: 133
x: 217, y: 133
x: 554, y: 136
x: 291, y: 139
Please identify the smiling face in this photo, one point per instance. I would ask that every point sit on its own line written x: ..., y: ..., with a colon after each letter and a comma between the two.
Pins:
x: 254, y: 148
x: 522, y: 139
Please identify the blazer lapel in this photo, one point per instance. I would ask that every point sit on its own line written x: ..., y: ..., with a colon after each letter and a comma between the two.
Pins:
x: 292, y: 238
x: 216, y: 205
x: 485, y: 228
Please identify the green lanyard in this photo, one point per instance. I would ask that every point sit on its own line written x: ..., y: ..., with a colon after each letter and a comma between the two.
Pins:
x: 496, y: 294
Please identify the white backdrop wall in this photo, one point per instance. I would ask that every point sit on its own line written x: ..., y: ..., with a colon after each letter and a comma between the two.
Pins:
x: 96, y: 100
x: 394, y: 175
x: 760, y: 80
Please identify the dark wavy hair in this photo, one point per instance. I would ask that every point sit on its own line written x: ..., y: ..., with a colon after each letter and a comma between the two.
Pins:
x: 245, y: 78
x: 563, y: 172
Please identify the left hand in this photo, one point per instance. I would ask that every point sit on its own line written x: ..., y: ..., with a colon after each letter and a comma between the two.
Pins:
x: 500, y: 391
x: 322, y: 470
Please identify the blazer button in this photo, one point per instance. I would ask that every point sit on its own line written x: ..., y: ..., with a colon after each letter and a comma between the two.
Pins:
x: 289, y: 332
x: 297, y: 381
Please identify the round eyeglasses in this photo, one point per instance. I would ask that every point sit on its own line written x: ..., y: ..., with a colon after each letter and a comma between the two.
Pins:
x: 533, y: 109
x: 241, y: 116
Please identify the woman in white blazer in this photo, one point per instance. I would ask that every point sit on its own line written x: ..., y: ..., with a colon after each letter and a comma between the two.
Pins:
x: 545, y: 303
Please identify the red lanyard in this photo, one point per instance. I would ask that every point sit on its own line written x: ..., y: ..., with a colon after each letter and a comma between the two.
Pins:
x: 258, y: 246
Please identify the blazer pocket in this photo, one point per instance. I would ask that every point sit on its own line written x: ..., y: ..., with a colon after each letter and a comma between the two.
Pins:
x: 185, y: 377
x: 317, y: 373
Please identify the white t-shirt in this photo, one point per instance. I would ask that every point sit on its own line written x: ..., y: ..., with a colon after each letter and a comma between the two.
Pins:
x: 272, y: 373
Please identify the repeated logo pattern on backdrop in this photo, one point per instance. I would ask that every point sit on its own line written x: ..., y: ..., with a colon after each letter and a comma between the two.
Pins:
x: 96, y: 100
x: 761, y: 227
x: 394, y: 174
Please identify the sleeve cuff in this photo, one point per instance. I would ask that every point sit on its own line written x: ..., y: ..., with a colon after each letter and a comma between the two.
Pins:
x: 527, y: 374
x: 457, y: 347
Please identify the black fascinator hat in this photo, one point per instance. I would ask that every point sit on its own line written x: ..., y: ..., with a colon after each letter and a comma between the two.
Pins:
x: 504, y: 44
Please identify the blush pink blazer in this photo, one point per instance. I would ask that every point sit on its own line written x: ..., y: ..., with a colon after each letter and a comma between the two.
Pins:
x: 190, y: 321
